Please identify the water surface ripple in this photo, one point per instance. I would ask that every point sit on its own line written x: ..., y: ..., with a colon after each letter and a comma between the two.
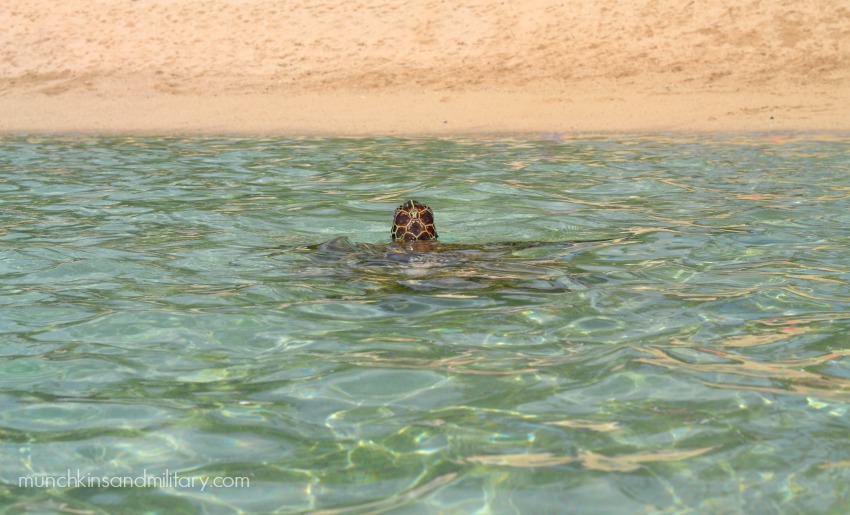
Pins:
x: 224, y: 308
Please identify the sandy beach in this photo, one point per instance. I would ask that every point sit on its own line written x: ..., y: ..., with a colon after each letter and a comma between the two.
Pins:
x: 426, y: 67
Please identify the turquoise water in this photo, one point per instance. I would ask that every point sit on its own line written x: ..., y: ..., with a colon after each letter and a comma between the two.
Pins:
x: 172, y: 307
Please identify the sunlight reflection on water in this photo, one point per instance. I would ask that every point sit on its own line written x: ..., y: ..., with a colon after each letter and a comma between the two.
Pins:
x: 186, y: 304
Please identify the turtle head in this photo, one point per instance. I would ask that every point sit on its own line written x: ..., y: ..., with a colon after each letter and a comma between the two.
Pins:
x: 413, y: 222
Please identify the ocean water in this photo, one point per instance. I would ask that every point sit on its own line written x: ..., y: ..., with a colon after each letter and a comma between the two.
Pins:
x: 208, y: 325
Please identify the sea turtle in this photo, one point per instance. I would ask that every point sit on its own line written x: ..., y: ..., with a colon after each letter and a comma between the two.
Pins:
x: 416, y: 259
x: 413, y: 221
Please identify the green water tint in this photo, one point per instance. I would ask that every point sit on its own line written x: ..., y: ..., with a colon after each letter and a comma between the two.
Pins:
x: 184, y: 305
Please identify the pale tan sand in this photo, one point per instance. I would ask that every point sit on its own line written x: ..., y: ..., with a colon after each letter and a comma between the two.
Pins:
x: 424, y: 67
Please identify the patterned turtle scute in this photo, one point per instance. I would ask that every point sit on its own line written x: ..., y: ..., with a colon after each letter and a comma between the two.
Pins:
x: 413, y: 222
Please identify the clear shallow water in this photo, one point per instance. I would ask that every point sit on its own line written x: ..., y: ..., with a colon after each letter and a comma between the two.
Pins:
x: 166, y: 306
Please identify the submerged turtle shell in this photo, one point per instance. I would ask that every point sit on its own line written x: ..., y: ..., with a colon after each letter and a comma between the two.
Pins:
x: 413, y: 221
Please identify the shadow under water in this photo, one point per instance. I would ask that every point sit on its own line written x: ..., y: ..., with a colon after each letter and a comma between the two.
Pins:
x: 434, y: 267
